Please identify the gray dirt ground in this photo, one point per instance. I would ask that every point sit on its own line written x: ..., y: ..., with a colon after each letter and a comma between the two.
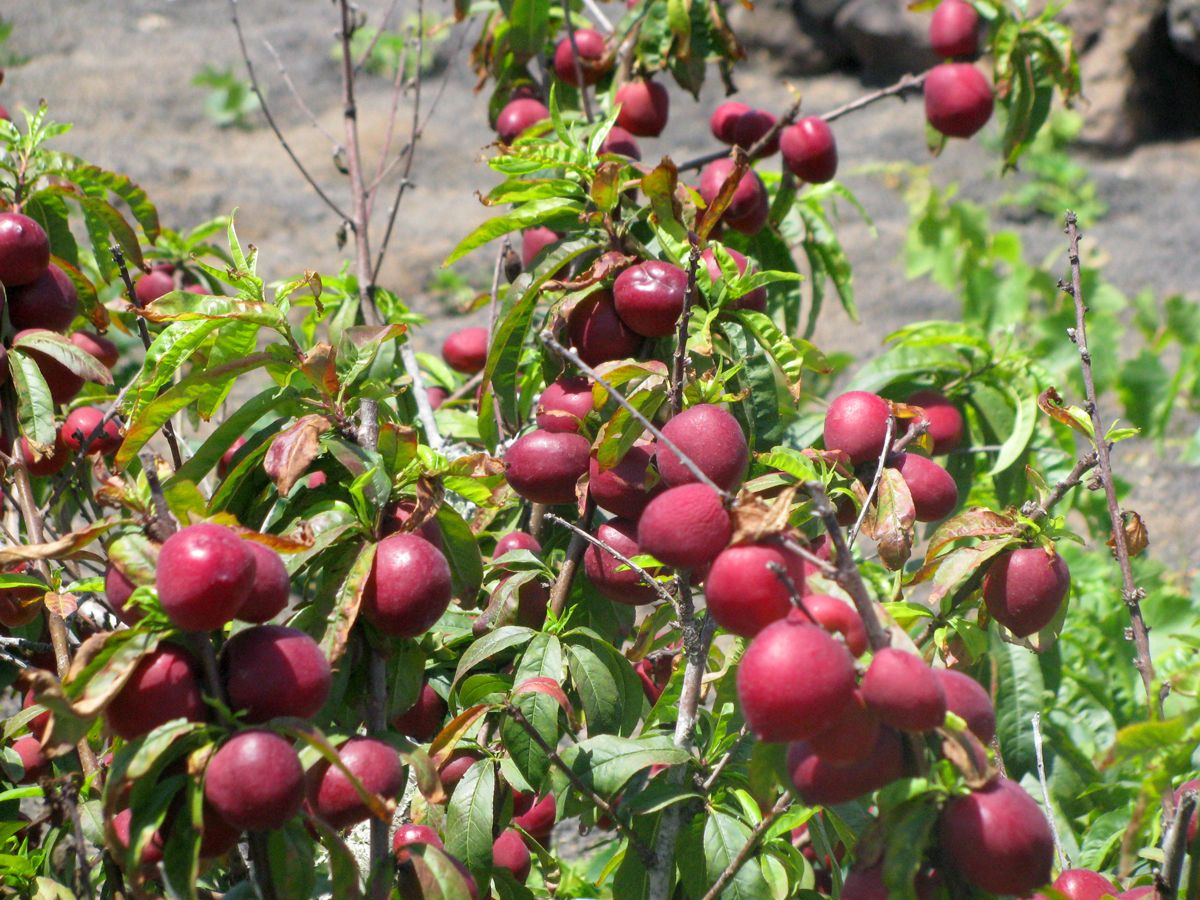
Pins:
x: 121, y: 70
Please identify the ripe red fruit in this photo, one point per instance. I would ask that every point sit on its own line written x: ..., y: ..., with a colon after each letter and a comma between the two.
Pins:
x: 151, y: 286
x: 1024, y: 588
x: 49, y: 302
x: 654, y: 676
x: 466, y: 350
x: 274, y: 670
x: 967, y: 699
x: 944, y: 418
x: 532, y: 242
x: 543, y: 466
x: 998, y: 839
x: 644, y: 108
x: 516, y: 540
x: 509, y: 852
x: 685, y: 526
x: 622, y: 489
x: 837, y: 615
x: 751, y: 127
x: 217, y: 837
x: 856, y: 424
x: 255, y: 781
x: 958, y: 99
x: 649, y: 297
x: 794, y: 680
x: 744, y: 595
x: 423, y: 720
x: 456, y: 767
x: 152, y: 852
x: 746, y: 197
x: 712, y: 439
x: 954, y: 29
x: 819, y: 781
x: 409, y: 587
x: 80, y: 424
x: 592, y: 63
x: 372, y: 762
x: 933, y: 491
x: 725, y: 118
x: 851, y: 737
x: 63, y: 383
x: 538, y: 817
x: 52, y: 464
x: 755, y: 299
x: 809, y: 150
x: 162, y: 687
x: 437, y: 395
x: 1082, y: 884
x: 205, y: 574
x: 98, y: 346
x: 903, y: 691
x: 753, y: 221
x: 271, y: 587
x: 565, y: 403
x: 117, y: 591
x: 397, y: 515
x: 24, y: 250
x: 518, y: 116
x: 624, y: 586
x: 597, y: 333
x: 227, y: 458
x: 34, y: 762
x: 622, y: 143
x: 407, y: 835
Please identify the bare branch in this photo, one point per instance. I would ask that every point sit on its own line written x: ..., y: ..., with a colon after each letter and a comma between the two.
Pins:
x: 1131, y: 593
x: 262, y: 100
x: 291, y: 86
x: 1175, y: 845
x: 575, y: 550
x: 679, y: 364
x: 646, y: 577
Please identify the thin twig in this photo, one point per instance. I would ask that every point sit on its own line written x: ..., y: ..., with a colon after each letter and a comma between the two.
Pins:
x: 1131, y: 593
x: 168, y: 429
x: 707, y: 784
x: 906, y: 84
x: 824, y: 566
x: 548, y: 339
x: 679, y: 363
x: 575, y: 550
x: 1175, y: 845
x: 1083, y: 465
x: 883, y: 458
x: 580, y: 785
x: 583, y: 88
x: 1064, y: 861
x: 262, y: 102
x: 291, y: 86
x: 781, y: 572
x: 915, y: 430
x: 646, y: 577
x: 848, y: 575
x: 735, y: 865
x: 366, y: 54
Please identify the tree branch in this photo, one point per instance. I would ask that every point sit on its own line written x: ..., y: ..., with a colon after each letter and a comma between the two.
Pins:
x: 1175, y: 845
x: 575, y: 550
x: 1131, y: 593
x: 646, y: 854
x: 679, y: 364
x: 735, y: 865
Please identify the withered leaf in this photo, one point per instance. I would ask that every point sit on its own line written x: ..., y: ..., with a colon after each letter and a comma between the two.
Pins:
x: 293, y: 450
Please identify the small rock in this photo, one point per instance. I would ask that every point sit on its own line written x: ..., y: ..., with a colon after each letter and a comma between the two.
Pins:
x: 885, y: 37
x: 785, y: 39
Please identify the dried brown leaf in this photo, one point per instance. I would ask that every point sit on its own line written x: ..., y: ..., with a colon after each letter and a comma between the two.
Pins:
x: 293, y: 450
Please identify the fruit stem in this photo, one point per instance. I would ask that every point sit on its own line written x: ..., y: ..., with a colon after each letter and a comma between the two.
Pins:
x: 1131, y: 593
x: 646, y: 577
x: 575, y: 550
x: 679, y: 364
x: 646, y: 854
x: 847, y: 574
x: 793, y: 592
x: 548, y: 339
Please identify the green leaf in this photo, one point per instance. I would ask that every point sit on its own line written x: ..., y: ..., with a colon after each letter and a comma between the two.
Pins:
x: 461, y: 550
x: 908, y: 830
x: 541, y: 710
x: 290, y: 860
x: 343, y: 867
x: 491, y: 644
x: 184, y: 306
x: 608, y: 687
x: 64, y: 352
x: 525, y: 216
x: 470, y: 816
x: 152, y: 417
x: 346, y: 605
x: 1019, y: 689
x: 724, y: 837
x: 35, y: 406
x: 542, y: 659
x: 605, y: 762
x: 50, y: 211
x: 91, y: 177
x: 759, y: 412
x: 170, y: 349
x: 230, y: 429
x: 181, y: 853
x: 528, y: 28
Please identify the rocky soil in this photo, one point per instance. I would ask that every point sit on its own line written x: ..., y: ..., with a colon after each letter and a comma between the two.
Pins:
x: 121, y: 70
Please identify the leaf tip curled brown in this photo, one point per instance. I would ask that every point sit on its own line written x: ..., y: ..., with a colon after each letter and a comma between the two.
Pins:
x: 293, y: 450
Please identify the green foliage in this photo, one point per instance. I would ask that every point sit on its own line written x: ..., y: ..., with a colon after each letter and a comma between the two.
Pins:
x: 230, y: 101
